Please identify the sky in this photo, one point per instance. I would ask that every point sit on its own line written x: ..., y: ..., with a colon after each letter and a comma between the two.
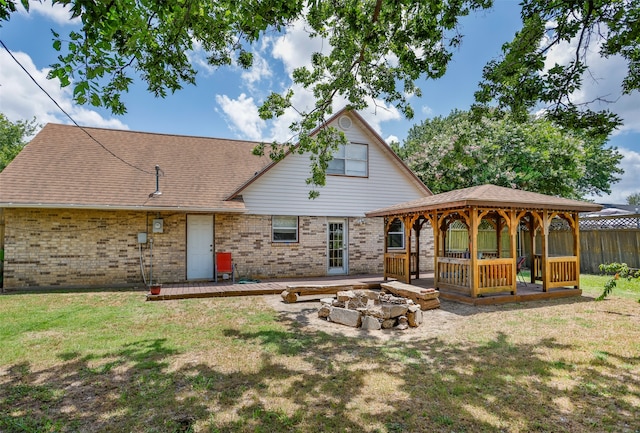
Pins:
x: 224, y: 103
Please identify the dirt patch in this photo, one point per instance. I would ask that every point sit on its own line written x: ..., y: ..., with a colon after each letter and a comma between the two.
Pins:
x: 437, y: 322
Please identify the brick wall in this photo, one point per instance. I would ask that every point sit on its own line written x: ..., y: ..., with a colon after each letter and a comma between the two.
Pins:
x: 83, y: 248
x: 248, y: 238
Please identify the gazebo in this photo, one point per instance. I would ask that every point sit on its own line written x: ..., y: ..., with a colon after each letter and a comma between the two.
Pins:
x: 472, y: 274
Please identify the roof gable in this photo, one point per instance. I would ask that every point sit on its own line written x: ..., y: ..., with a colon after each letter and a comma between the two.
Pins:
x: 375, y: 139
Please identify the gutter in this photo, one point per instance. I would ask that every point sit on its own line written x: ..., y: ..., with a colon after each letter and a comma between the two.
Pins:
x: 132, y: 207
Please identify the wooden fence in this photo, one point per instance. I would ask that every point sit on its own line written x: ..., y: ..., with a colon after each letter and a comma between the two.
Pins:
x: 600, y: 246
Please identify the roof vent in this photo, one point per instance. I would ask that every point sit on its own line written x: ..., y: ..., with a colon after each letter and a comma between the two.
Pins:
x: 344, y: 122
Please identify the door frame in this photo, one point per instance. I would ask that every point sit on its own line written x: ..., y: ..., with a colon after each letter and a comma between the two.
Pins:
x: 344, y: 270
x: 213, y: 247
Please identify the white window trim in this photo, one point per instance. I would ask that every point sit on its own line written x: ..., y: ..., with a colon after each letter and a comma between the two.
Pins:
x: 401, y: 233
x: 273, y: 229
x: 346, y: 159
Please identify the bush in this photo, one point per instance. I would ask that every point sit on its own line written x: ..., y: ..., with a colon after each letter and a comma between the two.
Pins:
x: 617, y: 270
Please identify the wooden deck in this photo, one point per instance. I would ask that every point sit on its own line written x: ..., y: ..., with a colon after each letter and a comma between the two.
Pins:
x: 210, y: 289
x: 525, y: 292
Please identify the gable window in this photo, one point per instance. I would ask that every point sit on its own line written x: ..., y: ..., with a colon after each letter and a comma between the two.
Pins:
x: 395, y: 236
x: 284, y: 228
x: 350, y: 160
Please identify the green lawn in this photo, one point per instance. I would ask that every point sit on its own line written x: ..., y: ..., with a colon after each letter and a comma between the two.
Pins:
x: 108, y: 361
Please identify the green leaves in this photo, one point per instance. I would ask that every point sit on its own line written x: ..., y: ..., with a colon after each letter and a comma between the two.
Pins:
x: 373, y: 53
x: 522, y: 80
x: 618, y: 270
x: 460, y: 150
x: 13, y: 138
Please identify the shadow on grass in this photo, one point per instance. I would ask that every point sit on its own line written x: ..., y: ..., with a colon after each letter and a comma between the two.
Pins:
x: 311, y: 381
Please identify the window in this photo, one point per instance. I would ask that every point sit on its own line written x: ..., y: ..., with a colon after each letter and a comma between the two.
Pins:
x: 350, y: 160
x: 284, y: 228
x: 395, y: 236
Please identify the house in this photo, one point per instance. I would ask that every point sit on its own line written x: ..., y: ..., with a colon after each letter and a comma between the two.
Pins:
x: 82, y: 207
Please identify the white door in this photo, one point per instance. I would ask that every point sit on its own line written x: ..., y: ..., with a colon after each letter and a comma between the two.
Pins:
x: 337, y: 254
x: 199, y: 247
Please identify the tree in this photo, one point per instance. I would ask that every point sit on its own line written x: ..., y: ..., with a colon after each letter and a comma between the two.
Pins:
x: 457, y: 152
x: 523, y: 79
x: 13, y: 138
x: 375, y: 50
x: 634, y: 199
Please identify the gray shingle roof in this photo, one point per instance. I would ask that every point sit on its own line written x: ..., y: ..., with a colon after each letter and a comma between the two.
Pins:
x: 64, y: 167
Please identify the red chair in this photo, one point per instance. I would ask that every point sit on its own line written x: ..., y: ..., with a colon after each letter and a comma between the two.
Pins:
x: 224, y: 265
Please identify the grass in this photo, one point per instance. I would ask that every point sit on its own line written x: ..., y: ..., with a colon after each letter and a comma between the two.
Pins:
x: 108, y: 361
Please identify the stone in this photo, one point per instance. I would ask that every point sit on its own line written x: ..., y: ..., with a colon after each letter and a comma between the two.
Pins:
x: 324, y: 311
x: 345, y: 295
x: 369, y: 294
x: 344, y: 316
x: 402, y: 326
x: 389, y: 311
x: 327, y: 301
x: 375, y: 311
x: 414, y: 316
x: 357, y: 302
x: 388, y: 323
x: 370, y: 323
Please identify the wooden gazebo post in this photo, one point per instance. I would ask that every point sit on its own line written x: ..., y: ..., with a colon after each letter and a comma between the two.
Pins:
x: 406, y: 220
x: 532, y: 237
x: 545, y: 250
x: 576, y: 243
x: 436, y: 249
x: 385, y: 221
x: 473, y: 250
x: 499, y: 235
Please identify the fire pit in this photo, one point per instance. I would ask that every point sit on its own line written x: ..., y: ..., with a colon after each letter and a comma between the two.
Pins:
x: 371, y: 310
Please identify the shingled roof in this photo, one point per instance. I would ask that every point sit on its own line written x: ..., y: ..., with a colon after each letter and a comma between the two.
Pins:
x: 66, y: 166
x: 487, y: 196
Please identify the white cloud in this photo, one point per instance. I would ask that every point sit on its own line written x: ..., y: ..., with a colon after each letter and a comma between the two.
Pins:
x: 242, y: 115
x: 21, y: 99
x: 378, y: 112
x: 603, y: 80
x: 295, y: 47
x: 392, y: 139
x: 198, y: 58
x: 259, y: 70
x: 426, y: 111
x: 629, y: 183
x: 58, y: 13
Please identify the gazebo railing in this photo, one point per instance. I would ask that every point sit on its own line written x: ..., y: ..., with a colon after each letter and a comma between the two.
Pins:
x: 454, y: 274
x: 563, y: 271
x: 496, y: 275
x: 395, y: 265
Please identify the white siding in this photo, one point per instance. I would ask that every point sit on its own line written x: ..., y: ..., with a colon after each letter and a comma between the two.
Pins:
x: 283, y: 190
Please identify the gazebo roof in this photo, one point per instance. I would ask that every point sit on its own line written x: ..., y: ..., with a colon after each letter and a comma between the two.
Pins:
x: 487, y: 196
